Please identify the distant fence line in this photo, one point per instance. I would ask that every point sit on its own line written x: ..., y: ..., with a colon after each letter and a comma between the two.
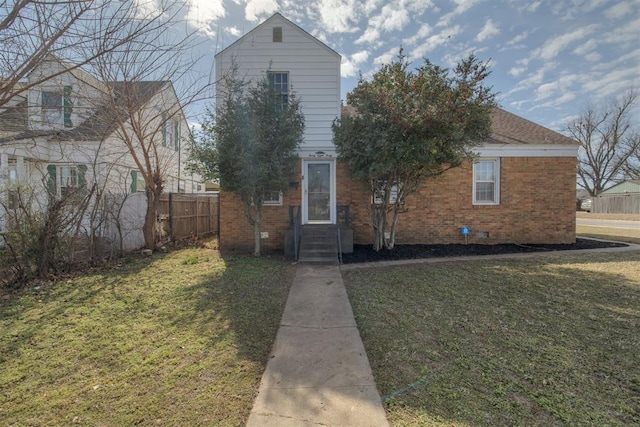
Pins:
x: 617, y: 203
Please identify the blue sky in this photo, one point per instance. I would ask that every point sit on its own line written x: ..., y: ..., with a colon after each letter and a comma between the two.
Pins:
x: 549, y: 58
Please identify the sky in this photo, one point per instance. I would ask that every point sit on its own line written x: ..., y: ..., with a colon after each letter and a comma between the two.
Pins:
x: 549, y: 59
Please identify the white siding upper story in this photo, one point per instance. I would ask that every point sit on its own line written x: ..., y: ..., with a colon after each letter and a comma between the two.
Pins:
x: 313, y: 69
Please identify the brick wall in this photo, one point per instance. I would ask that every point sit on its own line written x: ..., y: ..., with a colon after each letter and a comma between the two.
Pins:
x: 537, y: 205
x: 237, y: 234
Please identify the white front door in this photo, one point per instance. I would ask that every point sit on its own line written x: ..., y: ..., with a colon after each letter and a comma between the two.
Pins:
x: 319, y: 195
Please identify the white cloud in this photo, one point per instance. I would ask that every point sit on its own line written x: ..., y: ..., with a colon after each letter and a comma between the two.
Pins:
x: 517, y: 39
x: 619, y: 11
x: 370, y: 36
x: 257, y: 9
x: 351, y: 64
x: 585, y: 48
x: 489, y: 30
x: 339, y: 15
x: 533, y: 6
x: 202, y: 14
x: 392, y: 17
x: 557, y: 44
x: 386, y: 57
x: 422, y: 32
x: 461, y: 7
x: 629, y: 32
x: 434, y: 41
x: 234, y: 31
x: 517, y: 71
x: 593, y: 57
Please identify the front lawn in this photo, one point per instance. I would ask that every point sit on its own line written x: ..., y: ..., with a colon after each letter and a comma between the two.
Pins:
x: 539, y: 341
x: 178, y: 339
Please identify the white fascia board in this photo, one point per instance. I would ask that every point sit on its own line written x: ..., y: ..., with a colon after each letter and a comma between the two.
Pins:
x: 306, y: 151
x: 528, y: 150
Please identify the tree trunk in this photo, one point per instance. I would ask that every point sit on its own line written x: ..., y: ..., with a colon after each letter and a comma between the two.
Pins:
x: 390, y: 244
x: 151, y: 218
x: 256, y: 231
x: 379, y: 221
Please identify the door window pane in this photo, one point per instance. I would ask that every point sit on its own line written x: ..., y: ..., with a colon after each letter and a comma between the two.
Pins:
x: 319, y: 192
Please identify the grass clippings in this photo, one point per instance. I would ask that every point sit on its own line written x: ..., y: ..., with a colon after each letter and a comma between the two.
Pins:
x: 549, y: 341
x: 177, y: 339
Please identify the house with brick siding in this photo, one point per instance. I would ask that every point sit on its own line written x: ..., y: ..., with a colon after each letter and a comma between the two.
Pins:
x: 521, y: 189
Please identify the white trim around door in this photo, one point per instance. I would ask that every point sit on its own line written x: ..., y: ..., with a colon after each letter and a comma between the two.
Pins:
x: 319, y: 191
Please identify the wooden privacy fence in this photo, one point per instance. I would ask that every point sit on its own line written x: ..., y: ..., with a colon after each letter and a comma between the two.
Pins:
x: 618, y: 203
x: 189, y: 215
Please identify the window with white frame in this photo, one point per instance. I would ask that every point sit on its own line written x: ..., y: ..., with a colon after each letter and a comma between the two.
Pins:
x: 171, y: 132
x: 486, y: 182
x: 272, y: 198
x: 279, y: 84
x: 57, y: 106
x: 52, y: 106
x: 12, y: 195
x: 137, y: 182
x: 393, y: 195
x: 68, y: 179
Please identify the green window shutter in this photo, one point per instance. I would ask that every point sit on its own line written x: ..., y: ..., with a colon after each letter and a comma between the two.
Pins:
x: 176, y: 139
x: 164, y: 129
x: 68, y: 107
x: 51, y: 182
x: 134, y: 181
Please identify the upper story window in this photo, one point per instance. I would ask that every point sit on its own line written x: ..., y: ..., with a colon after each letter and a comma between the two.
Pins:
x: 279, y: 83
x: 277, y: 34
x: 57, y: 106
x: 486, y: 182
x: 171, y: 133
x: 52, y: 107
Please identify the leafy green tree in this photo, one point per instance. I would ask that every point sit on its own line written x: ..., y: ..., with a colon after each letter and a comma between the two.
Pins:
x: 404, y: 127
x: 249, y: 143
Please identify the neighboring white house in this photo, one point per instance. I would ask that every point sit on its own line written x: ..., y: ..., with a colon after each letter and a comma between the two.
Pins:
x: 63, y: 135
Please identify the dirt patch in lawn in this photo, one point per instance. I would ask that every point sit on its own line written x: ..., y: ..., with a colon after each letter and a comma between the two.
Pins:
x: 365, y: 253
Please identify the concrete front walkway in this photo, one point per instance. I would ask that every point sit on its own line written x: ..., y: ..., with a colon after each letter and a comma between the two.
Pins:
x: 318, y: 373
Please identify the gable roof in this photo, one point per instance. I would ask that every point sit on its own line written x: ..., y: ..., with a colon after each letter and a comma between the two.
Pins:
x: 273, y: 17
x: 100, y: 124
x: 629, y: 186
x: 508, y: 128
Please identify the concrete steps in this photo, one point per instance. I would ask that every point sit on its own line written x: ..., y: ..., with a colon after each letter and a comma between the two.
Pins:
x: 318, y: 245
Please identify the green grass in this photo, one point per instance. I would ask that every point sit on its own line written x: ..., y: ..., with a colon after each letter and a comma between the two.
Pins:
x: 532, y: 342
x: 616, y: 234
x: 175, y: 339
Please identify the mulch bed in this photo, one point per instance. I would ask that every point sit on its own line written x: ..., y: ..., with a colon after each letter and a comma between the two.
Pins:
x: 365, y: 253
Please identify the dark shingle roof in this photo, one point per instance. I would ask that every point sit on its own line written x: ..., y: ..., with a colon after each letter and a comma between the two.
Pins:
x: 508, y: 128
x: 100, y: 124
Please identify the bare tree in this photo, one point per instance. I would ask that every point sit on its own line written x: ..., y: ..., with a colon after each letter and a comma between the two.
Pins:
x: 608, y: 143
x: 78, y: 31
x: 149, y: 80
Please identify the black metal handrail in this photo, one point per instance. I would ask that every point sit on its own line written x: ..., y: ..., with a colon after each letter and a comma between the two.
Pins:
x: 296, y: 224
x: 339, y: 244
